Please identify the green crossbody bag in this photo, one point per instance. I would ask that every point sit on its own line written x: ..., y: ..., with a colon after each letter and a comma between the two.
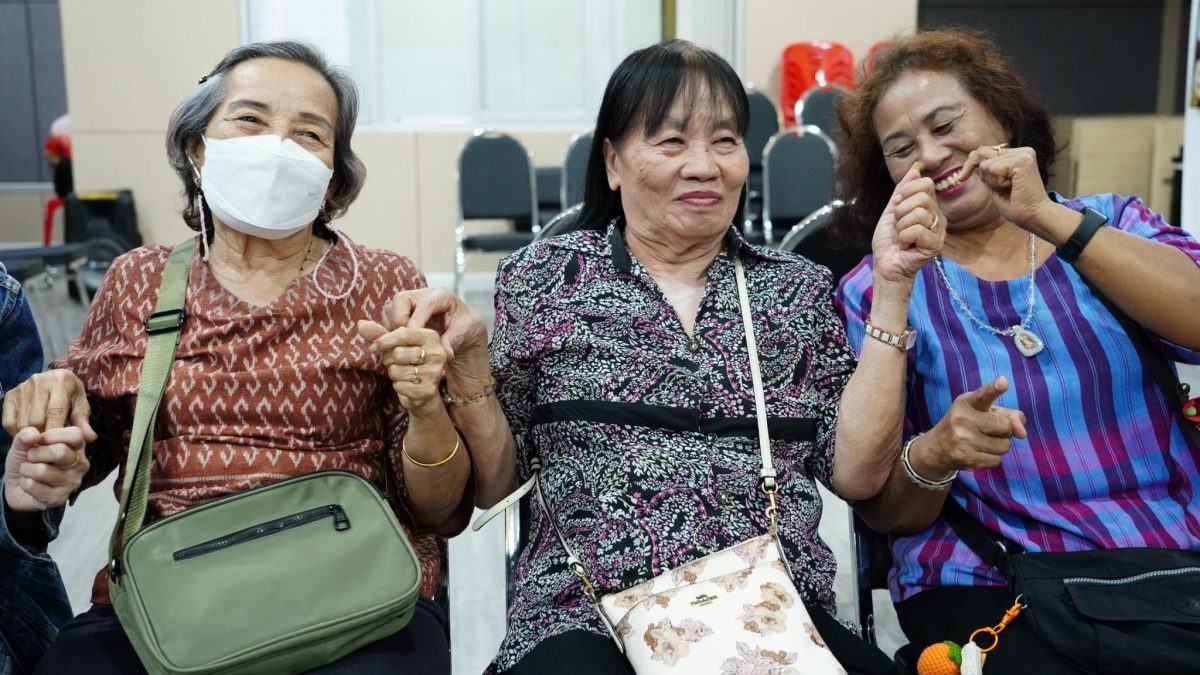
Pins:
x: 279, y: 579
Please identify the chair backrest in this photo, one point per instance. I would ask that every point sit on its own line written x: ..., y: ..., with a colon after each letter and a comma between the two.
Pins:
x: 764, y: 123
x: 809, y: 64
x: 496, y: 179
x: 818, y: 107
x: 564, y: 222
x: 549, y: 187
x: 797, y: 176
x: 575, y: 168
x: 810, y: 238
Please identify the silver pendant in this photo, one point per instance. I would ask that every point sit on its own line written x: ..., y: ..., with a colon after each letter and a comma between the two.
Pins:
x: 1027, y: 342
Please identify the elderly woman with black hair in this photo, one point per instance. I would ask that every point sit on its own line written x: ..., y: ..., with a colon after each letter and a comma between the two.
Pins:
x: 270, y: 379
x: 621, y: 368
x: 1027, y: 404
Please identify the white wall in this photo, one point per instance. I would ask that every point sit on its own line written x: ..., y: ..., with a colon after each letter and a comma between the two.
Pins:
x: 1191, y: 137
x: 1190, y: 186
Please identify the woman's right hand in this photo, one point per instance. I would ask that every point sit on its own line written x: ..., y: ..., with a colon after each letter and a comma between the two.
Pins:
x: 911, y: 230
x: 973, y: 434
x: 48, y: 401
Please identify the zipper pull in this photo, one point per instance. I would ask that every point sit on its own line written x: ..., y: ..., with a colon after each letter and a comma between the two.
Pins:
x: 340, y: 520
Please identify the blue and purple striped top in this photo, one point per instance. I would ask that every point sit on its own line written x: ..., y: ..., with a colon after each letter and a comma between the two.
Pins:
x: 1106, y: 463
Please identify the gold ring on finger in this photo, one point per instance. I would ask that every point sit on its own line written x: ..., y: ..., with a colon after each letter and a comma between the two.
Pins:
x: 934, y: 225
x: 416, y: 376
x: 72, y: 464
x: 1000, y: 148
x: 420, y: 359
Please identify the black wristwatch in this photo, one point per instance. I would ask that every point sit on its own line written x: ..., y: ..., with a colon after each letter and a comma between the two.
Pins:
x: 1092, y: 220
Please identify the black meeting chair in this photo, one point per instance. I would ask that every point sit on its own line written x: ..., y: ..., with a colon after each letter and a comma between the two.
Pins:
x: 562, y: 223
x: 549, y: 189
x: 764, y: 123
x: 811, y: 239
x: 495, y: 182
x: 574, y: 168
x: 818, y: 107
x: 798, y: 167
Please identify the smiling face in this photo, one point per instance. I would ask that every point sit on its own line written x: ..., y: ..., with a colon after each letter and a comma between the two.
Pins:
x: 276, y: 96
x: 681, y: 183
x: 928, y: 116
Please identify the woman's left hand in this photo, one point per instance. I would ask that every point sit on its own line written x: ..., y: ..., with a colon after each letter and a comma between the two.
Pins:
x: 416, y: 363
x: 1017, y: 188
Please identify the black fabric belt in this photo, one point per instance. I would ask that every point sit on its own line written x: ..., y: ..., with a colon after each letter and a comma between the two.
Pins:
x: 668, y: 418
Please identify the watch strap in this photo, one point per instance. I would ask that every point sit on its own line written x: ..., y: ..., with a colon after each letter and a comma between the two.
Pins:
x: 903, y: 341
x: 1092, y: 221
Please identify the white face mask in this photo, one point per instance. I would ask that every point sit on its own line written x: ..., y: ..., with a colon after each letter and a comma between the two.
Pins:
x: 263, y: 185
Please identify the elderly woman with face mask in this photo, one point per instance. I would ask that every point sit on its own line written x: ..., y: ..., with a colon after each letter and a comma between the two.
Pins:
x: 622, y: 368
x: 277, y: 373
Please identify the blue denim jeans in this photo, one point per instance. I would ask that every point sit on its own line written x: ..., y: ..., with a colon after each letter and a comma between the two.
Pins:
x: 20, y: 346
x: 33, y: 602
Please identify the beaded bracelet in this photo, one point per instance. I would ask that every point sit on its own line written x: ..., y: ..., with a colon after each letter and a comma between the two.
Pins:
x: 458, y: 402
x: 917, y: 478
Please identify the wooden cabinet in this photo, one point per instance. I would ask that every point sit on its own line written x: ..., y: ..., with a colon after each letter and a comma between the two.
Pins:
x: 1129, y: 155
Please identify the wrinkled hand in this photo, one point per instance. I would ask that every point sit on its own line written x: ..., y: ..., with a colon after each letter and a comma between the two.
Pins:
x: 43, y: 468
x: 911, y: 230
x: 1017, y: 188
x: 48, y: 401
x: 462, y: 332
x: 415, y: 360
x: 974, y: 434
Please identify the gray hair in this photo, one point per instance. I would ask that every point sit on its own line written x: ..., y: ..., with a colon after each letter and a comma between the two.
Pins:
x: 192, y: 116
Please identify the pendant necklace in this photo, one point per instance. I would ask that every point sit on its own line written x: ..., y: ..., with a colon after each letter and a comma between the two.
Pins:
x: 1027, y: 342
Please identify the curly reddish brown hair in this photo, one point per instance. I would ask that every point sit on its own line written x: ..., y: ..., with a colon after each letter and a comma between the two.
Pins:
x: 863, y: 181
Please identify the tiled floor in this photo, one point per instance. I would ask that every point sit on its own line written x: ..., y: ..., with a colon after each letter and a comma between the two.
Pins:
x: 476, y: 558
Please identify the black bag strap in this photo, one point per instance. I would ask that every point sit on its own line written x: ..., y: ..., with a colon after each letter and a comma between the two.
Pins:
x: 996, y: 549
x: 1176, y: 392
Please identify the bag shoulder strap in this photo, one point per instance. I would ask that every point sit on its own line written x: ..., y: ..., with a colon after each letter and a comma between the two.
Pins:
x: 164, y: 326
x: 1175, y: 392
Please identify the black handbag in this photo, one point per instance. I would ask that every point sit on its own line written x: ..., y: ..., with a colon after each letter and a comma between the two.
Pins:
x: 1110, y: 611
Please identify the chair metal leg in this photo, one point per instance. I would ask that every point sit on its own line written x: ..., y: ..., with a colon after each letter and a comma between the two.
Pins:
x: 512, y: 541
x: 460, y: 271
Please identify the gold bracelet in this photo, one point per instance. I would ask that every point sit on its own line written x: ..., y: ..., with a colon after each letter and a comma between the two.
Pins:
x: 404, y: 451
x: 458, y: 402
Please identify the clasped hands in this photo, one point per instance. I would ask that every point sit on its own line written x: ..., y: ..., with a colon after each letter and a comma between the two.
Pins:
x: 425, y: 336
x: 48, y: 458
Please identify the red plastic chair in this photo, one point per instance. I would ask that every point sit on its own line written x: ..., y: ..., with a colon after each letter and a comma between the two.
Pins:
x: 869, y: 62
x: 808, y: 64
x: 52, y: 205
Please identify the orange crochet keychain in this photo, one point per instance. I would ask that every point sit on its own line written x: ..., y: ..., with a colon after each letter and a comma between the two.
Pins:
x: 947, y: 658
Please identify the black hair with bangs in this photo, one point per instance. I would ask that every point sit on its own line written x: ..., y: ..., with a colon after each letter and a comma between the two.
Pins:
x: 638, y: 100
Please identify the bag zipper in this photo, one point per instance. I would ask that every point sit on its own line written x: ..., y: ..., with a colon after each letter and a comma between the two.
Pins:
x: 340, y: 523
x: 1178, y: 571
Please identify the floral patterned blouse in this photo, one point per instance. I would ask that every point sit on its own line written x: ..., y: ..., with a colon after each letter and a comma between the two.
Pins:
x: 647, y: 436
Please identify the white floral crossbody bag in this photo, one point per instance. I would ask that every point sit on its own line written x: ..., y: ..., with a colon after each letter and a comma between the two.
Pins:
x: 733, y: 611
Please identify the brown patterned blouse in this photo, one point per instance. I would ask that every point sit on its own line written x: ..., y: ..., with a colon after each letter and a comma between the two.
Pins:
x: 256, y: 394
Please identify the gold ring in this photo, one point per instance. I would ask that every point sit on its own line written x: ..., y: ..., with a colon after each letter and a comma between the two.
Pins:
x: 420, y: 359
x: 1000, y: 148
x: 72, y: 464
x: 933, y: 226
x: 416, y: 376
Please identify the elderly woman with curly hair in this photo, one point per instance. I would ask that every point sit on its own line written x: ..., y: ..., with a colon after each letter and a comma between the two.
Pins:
x: 1026, y: 402
x: 275, y: 375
